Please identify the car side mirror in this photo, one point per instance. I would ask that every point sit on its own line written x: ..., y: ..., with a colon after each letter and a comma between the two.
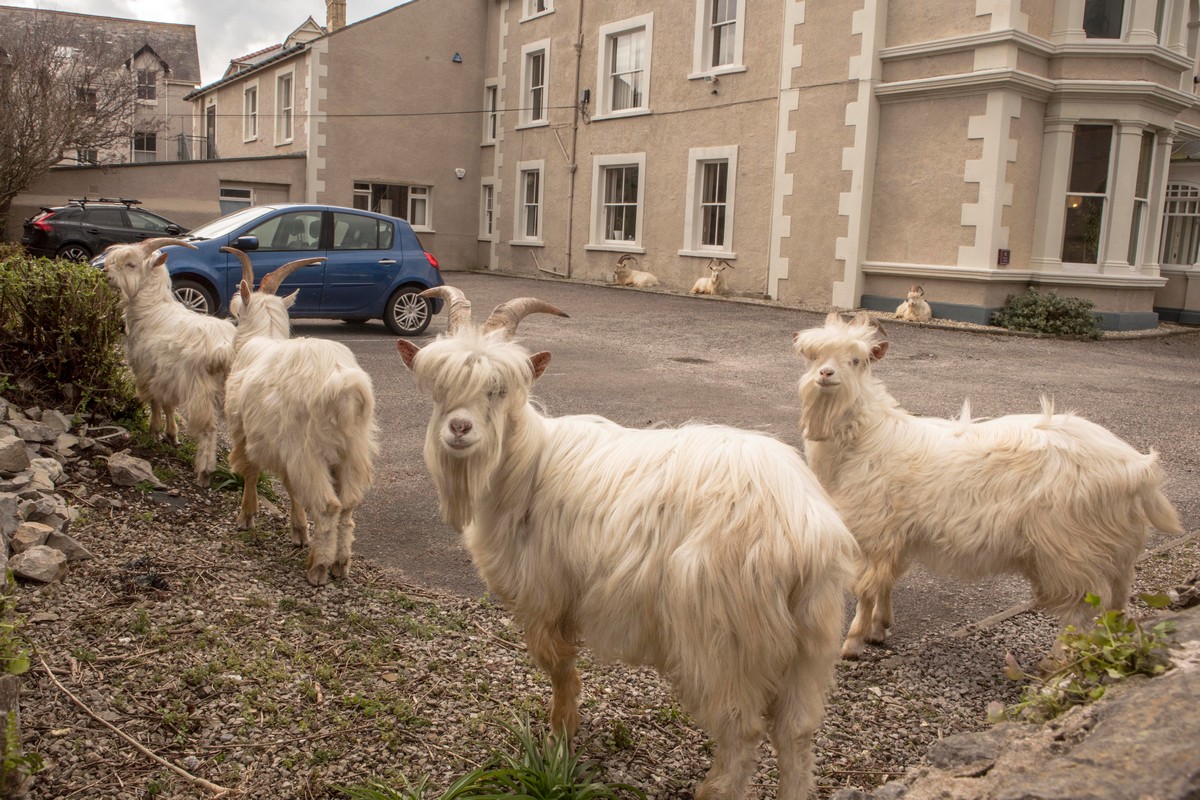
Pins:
x: 245, y: 243
x: 174, y: 230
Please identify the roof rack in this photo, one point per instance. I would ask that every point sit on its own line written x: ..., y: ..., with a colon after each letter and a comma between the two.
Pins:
x: 83, y: 201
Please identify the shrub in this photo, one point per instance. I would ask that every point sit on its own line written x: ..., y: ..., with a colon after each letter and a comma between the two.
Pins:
x: 1048, y: 313
x: 60, y: 334
x: 1116, y: 647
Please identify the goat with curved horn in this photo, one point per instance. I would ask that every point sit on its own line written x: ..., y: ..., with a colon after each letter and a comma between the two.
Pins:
x: 506, y: 316
x: 247, y: 267
x: 271, y: 281
x: 459, y: 306
x: 150, y: 245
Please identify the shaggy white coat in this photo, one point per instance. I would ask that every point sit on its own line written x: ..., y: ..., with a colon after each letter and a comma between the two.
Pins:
x: 179, y: 359
x: 304, y: 410
x: 709, y: 553
x: 624, y: 276
x: 713, y: 283
x: 1053, y: 497
x: 915, y: 309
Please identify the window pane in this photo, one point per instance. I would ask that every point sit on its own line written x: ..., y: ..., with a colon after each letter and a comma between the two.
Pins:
x: 1135, y: 230
x: 300, y: 230
x: 1145, y: 161
x: 1081, y: 233
x: 111, y: 217
x: 1089, y: 160
x: 1102, y: 18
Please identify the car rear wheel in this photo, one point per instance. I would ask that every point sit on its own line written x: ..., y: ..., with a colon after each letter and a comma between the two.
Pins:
x: 195, y: 296
x: 407, y: 313
x: 74, y: 252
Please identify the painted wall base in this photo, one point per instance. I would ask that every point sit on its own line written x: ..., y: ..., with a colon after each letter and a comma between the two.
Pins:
x: 982, y: 315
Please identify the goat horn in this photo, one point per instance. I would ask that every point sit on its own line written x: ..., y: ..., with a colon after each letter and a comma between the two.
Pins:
x: 725, y: 263
x: 621, y: 261
x: 247, y: 267
x: 460, y: 306
x: 506, y: 315
x: 150, y: 245
x: 271, y: 281
x: 832, y: 317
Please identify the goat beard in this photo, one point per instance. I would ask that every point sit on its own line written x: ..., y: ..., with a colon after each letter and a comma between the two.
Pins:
x: 823, y: 410
x: 460, y: 481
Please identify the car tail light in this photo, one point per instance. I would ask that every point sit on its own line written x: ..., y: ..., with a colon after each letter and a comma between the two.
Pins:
x: 433, y: 262
x: 41, y: 224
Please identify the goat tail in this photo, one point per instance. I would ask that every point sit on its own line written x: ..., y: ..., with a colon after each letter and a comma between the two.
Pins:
x: 1159, y: 510
x: 357, y: 469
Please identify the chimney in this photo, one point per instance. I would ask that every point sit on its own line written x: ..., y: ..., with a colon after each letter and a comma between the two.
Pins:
x: 335, y: 15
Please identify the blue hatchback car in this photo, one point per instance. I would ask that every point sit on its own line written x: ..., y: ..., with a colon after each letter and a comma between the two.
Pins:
x: 374, y: 266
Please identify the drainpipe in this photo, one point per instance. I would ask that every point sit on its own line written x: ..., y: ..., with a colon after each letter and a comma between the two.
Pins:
x: 572, y: 167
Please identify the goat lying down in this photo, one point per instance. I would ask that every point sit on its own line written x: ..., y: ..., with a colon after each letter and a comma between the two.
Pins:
x: 1052, y: 497
x: 625, y: 275
x: 179, y: 359
x: 304, y: 410
x: 709, y: 553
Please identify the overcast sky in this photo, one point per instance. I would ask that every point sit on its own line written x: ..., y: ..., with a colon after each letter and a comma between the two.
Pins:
x: 225, y: 29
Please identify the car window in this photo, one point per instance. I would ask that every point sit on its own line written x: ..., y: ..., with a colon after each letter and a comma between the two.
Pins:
x: 296, y: 230
x: 355, y: 232
x: 146, y: 222
x: 68, y: 214
x: 387, y: 234
x: 108, y: 217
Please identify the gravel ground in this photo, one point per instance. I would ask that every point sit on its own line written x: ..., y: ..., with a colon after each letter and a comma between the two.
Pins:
x: 207, y: 647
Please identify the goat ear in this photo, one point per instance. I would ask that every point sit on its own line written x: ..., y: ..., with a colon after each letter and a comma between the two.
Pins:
x: 290, y: 300
x: 539, y: 362
x: 160, y: 259
x: 408, y: 351
x: 244, y: 291
x: 878, y: 350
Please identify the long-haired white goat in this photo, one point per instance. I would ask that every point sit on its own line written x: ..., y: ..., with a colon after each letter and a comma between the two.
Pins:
x: 304, y: 410
x: 625, y: 275
x: 1052, y: 497
x: 709, y: 553
x: 179, y: 359
x: 915, y: 309
x: 714, y: 282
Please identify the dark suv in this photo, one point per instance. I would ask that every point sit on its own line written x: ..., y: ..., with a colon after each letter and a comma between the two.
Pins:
x: 83, y: 228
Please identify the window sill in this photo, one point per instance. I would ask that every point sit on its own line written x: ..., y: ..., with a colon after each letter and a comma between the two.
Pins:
x: 541, y: 123
x: 489, y: 143
x: 488, y: 239
x: 538, y: 15
x: 251, y: 139
x: 614, y: 247
x: 284, y: 143
x: 728, y: 255
x: 632, y: 112
x: 715, y: 72
x: 527, y: 243
x: 421, y: 229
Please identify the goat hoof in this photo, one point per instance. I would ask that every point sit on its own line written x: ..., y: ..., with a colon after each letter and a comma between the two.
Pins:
x: 299, y: 537
x: 245, y: 523
x: 852, y: 651
x: 340, y: 569
x: 318, y: 574
x: 204, y: 479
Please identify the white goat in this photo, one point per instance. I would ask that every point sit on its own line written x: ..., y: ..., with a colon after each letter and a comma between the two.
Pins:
x: 179, y: 359
x: 915, y: 309
x: 624, y: 275
x: 709, y: 553
x: 1052, y: 497
x: 304, y: 410
x: 714, y: 282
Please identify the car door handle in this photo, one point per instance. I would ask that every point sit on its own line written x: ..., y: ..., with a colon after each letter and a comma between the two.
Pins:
x: 387, y: 261
x: 91, y: 230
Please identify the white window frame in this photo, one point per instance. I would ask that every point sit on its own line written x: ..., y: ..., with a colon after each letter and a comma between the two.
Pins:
x: 527, y: 53
x: 491, y: 112
x: 487, y: 210
x: 418, y: 196
x: 532, y: 9
x: 1181, y: 224
x: 250, y: 115
x: 151, y: 86
x: 1140, y: 222
x: 285, y: 114
x: 702, y: 44
x: 148, y: 156
x: 1075, y: 198
x: 604, y: 66
x: 600, y: 165
x: 693, y: 219
x: 235, y: 194
x: 520, y: 237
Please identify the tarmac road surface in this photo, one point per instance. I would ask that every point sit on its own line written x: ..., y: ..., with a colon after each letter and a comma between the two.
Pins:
x: 646, y: 358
